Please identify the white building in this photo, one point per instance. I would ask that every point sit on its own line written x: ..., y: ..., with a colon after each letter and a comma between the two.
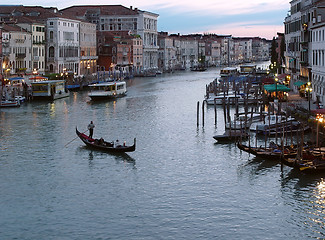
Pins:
x: 63, y: 45
x: 37, y: 45
x: 318, y: 62
x: 147, y: 29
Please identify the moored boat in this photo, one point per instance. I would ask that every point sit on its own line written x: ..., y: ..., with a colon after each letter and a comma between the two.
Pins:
x: 49, y: 89
x: 228, y: 71
x: 230, y: 136
x: 305, y: 165
x: 103, y: 145
x: 107, y: 90
x: 271, y: 122
x: 273, y: 152
x: 9, y: 103
x: 244, y: 120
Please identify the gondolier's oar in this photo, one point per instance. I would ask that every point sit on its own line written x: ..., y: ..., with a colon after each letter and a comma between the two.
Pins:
x: 73, y: 139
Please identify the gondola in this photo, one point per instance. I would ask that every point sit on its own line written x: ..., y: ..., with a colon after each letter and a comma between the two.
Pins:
x: 100, y: 144
x: 310, y: 162
x: 272, y: 153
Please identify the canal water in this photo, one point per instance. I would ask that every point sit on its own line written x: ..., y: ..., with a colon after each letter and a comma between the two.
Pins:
x: 178, y: 184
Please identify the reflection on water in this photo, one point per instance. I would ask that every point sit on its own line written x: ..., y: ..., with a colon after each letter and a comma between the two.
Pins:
x: 309, y: 206
x: 178, y: 184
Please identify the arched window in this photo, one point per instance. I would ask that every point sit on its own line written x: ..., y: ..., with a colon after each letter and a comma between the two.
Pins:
x: 51, y: 35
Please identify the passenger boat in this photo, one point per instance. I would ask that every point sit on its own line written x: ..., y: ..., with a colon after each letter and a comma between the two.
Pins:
x: 100, y: 144
x: 247, y: 69
x: 49, y: 89
x: 107, y: 90
x: 228, y: 71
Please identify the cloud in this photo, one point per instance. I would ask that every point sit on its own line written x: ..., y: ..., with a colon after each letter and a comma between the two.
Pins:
x: 202, y: 7
x: 217, y: 7
x: 247, y: 29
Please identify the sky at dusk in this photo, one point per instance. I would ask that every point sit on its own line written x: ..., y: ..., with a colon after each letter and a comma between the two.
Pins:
x: 239, y: 18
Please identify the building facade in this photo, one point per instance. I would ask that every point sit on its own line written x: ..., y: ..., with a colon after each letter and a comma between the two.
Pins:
x: 88, y: 48
x: 63, y: 45
x: 317, y: 51
x: 305, y: 45
x: 38, y: 44
x: 293, y: 39
x: 113, y: 18
x: 16, y: 50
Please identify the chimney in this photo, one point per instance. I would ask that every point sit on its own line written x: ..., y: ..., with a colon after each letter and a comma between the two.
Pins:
x: 136, y: 9
x: 130, y: 7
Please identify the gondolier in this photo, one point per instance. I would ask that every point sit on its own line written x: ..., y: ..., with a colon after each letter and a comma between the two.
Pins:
x: 91, y: 126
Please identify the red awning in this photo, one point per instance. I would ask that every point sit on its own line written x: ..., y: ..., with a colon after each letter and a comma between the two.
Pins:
x: 38, y: 78
x: 318, y: 111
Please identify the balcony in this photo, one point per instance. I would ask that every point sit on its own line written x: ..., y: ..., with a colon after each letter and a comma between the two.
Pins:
x: 20, y: 55
x: 39, y: 42
x: 304, y: 63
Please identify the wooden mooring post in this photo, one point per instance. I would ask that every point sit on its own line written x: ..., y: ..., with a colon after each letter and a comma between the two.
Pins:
x: 215, y: 111
x: 203, y: 112
x: 197, y: 113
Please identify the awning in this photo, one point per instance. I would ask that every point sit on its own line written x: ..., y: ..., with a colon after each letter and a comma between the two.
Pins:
x: 38, y: 78
x: 16, y: 78
x: 299, y: 83
x: 318, y: 111
x: 276, y: 88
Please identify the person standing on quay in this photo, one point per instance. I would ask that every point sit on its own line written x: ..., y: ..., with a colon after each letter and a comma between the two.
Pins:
x: 91, y: 126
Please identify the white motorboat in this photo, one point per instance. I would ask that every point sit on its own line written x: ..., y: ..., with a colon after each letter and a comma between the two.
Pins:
x: 107, y: 90
x: 9, y: 103
x: 244, y: 121
x: 21, y: 99
x: 269, y: 122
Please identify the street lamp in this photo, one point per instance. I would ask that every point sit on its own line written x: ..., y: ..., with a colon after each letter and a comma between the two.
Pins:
x: 276, y: 85
x: 309, y: 90
x: 319, y: 121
